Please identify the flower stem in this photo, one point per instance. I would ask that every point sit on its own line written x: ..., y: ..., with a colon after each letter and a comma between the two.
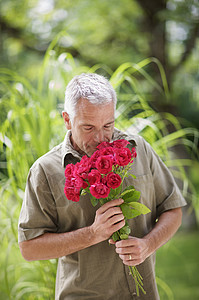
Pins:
x: 138, y: 279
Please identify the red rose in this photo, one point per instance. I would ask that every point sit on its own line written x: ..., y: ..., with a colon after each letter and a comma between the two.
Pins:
x: 107, y: 151
x: 134, y: 153
x: 69, y: 170
x: 123, y: 156
x: 69, y: 182
x: 85, y: 161
x: 120, y: 143
x: 113, y: 180
x: 94, y: 158
x: 103, y: 180
x: 85, y: 185
x: 103, y: 145
x: 72, y: 193
x: 83, y: 167
x: 104, y: 164
x: 99, y: 190
x: 75, y: 182
x: 94, y: 176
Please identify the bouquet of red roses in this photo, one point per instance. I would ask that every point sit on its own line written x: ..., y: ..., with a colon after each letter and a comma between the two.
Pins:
x: 101, y: 177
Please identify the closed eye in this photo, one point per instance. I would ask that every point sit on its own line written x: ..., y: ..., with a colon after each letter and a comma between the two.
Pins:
x: 88, y: 128
x: 108, y: 126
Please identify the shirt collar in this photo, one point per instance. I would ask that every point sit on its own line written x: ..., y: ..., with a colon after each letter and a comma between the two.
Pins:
x: 69, y: 152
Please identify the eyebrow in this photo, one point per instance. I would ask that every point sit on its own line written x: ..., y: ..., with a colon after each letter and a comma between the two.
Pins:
x: 109, y: 123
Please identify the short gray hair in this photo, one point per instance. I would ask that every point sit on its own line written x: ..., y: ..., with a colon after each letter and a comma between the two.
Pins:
x: 93, y: 87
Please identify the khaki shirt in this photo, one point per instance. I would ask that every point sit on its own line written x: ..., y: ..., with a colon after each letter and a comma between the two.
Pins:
x: 96, y: 272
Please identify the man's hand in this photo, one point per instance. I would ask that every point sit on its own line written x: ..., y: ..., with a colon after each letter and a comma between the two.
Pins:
x: 132, y: 251
x: 108, y: 219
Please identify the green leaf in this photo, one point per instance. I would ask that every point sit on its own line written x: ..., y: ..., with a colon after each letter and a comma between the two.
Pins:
x: 103, y: 200
x: 124, y: 236
x: 114, y: 192
x: 135, y: 196
x: 115, y: 236
x: 94, y: 201
x: 134, y: 209
x: 125, y: 230
x: 128, y: 212
x: 127, y: 189
x: 143, y: 209
x: 131, y: 196
x: 133, y: 176
x: 83, y: 192
x: 130, y: 187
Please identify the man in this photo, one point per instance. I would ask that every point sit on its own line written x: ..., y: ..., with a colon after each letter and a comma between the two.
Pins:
x: 50, y: 226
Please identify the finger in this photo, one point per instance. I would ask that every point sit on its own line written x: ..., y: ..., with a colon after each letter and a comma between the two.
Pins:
x: 110, y: 204
x: 126, y: 257
x: 130, y: 260
x: 133, y: 262
x: 111, y: 242
x: 126, y: 250
x: 116, y: 219
x: 117, y: 226
x: 131, y: 241
x: 113, y: 211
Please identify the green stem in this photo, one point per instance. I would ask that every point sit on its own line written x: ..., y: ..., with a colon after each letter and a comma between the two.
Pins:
x: 138, y: 280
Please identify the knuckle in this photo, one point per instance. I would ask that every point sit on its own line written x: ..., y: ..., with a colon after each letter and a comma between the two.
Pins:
x: 97, y: 213
x: 117, y: 250
x: 121, y: 256
x: 139, y: 251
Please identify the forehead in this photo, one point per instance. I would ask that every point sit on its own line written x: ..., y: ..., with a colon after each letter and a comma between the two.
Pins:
x: 88, y: 112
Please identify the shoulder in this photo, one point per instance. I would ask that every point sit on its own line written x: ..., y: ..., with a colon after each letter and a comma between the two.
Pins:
x: 136, y: 140
x: 142, y: 146
x: 118, y: 134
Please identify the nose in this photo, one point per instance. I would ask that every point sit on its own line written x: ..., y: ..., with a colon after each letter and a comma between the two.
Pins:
x: 99, y: 136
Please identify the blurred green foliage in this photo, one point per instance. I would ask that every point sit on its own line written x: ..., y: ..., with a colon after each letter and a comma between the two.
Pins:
x: 176, y: 267
x: 110, y: 33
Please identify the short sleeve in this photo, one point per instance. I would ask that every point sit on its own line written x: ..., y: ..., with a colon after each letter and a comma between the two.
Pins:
x: 167, y: 193
x: 38, y: 213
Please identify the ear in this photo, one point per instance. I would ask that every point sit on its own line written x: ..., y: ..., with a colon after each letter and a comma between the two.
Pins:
x: 66, y: 119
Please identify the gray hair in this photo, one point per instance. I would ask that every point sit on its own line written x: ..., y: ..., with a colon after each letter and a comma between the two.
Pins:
x: 93, y: 87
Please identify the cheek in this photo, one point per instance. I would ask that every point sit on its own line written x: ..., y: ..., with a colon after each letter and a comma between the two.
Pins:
x: 89, y: 141
x: 86, y: 140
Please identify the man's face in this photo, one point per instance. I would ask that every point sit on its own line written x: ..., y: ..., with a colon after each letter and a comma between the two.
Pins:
x: 92, y: 125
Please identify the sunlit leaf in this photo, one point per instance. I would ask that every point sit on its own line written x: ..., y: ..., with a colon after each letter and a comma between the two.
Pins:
x: 143, y: 209
x: 131, y: 196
